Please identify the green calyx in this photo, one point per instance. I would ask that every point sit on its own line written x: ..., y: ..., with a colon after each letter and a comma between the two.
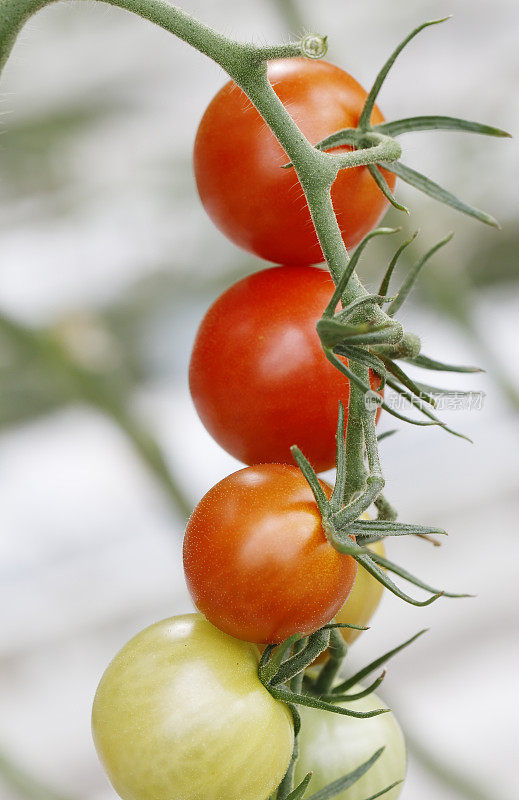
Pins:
x: 281, y: 664
x: 349, y: 534
x: 282, y: 671
x: 358, y: 334
x: 369, y: 140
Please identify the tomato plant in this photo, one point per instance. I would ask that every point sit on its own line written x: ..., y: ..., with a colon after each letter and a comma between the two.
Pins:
x: 259, y: 378
x: 185, y: 711
x: 180, y: 714
x: 331, y: 746
x: 256, y: 558
x: 238, y: 164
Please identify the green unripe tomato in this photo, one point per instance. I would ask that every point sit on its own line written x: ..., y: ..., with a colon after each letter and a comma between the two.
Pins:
x: 180, y: 714
x: 331, y: 746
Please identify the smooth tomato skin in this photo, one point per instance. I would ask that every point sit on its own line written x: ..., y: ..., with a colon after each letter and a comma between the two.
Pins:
x: 180, y: 714
x: 256, y: 558
x: 331, y: 746
x: 238, y: 160
x: 258, y: 375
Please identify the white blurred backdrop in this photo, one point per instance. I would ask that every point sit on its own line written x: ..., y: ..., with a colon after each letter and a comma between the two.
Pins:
x: 103, y: 239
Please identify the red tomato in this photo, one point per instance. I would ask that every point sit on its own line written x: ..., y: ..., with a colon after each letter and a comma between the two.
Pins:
x: 238, y: 161
x: 258, y: 375
x: 257, y: 560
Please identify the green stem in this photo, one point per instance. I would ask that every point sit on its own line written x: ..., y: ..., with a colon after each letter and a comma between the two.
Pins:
x: 151, y: 453
x: 337, y: 653
x: 13, y: 16
x: 287, y: 784
x: 232, y: 56
x: 385, y: 510
x: 316, y: 171
x: 369, y: 415
x: 362, y: 488
x: 355, y: 470
x: 377, y: 148
x: 330, y: 238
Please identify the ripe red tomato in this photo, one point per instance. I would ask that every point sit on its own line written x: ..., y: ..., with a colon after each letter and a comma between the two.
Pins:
x: 238, y: 161
x: 256, y: 558
x: 258, y: 376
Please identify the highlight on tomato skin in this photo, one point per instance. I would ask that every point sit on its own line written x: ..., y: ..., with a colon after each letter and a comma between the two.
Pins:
x: 238, y: 164
x: 180, y: 713
x: 258, y: 376
x: 257, y: 562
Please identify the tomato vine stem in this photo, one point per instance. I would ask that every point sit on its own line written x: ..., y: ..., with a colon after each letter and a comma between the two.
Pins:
x: 338, y: 650
x: 317, y: 170
x: 296, y: 684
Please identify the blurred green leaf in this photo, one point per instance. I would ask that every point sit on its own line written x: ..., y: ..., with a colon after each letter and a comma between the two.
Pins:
x: 32, y: 148
x: 497, y: 261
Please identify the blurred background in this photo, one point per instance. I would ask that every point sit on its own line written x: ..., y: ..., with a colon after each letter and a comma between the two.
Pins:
x: 107, y: 265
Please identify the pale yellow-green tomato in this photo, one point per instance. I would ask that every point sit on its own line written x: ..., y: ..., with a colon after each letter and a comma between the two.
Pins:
x: 332, y: 745
x: 363, y: 599
x: 180, y: 714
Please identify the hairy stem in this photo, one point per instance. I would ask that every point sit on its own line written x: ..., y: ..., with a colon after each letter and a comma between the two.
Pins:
x: 232, y: 56
x: 330, y: 669
x: 287, y: 784
x: 355, y: 469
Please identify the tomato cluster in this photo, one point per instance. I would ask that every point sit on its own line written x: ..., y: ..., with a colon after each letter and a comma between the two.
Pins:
x: 256, y: 557
x: 180, y: 713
